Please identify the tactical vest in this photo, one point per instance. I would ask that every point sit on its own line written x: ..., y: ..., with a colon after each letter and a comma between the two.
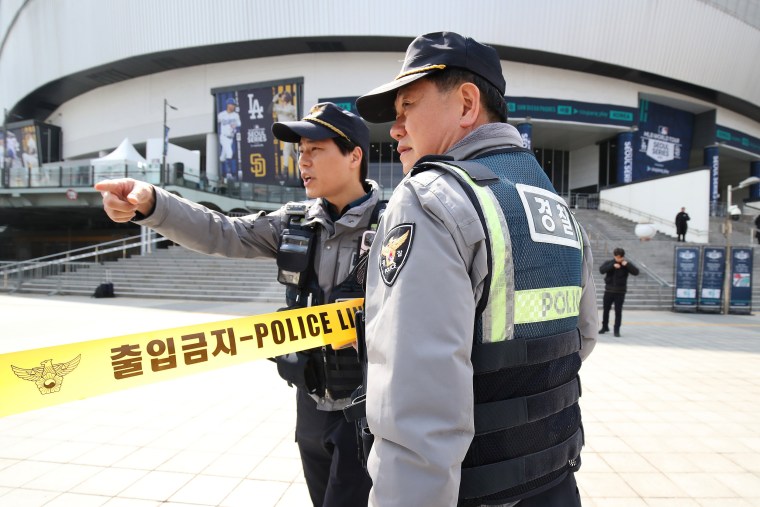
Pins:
x: 321, y: 371
x: 528, y: 432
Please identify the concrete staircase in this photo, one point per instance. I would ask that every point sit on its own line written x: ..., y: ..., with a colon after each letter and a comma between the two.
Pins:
x: 178, y: 273
x: 173, y: 272
x: 655, y: 258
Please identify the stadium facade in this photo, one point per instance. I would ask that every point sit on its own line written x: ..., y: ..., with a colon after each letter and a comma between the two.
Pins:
x: 657, y: 98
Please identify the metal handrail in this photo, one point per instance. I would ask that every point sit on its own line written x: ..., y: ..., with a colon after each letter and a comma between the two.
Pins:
x: 657, y: 278
x: 643, y: 267
x: 78, y: 254
x: 646, y: 216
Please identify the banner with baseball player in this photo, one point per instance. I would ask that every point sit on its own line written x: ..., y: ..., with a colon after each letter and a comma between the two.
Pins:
x: 19, y: 147
x: 248, y: 152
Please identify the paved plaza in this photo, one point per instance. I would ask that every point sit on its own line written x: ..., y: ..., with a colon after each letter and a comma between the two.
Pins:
x: 671, y: 414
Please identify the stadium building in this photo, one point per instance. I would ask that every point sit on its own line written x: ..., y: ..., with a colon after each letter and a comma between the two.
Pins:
x: 638, y: 107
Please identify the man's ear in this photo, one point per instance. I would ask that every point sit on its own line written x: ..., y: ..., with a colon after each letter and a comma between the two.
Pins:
x: 356, y: 156
x: 471, y: 108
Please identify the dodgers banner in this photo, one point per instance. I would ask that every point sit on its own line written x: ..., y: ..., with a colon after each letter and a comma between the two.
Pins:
x: 687, y: 274
x: 663, y: 141
x: 713, y: 276
x: 741, y: 281
x: 244, y: 115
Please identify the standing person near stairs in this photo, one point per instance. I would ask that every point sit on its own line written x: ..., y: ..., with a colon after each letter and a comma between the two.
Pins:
x: 336, y: 222
x: 615, y: 273
x: 682, y: 224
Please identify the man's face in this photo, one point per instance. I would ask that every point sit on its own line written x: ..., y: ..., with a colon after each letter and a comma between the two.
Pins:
x: 618, y: 259
x: 230, y: 108
x: 427, y: 121
x: 325, y: 171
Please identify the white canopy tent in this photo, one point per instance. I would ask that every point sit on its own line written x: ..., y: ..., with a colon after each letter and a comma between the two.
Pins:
x: 124, y: 152
x: 124, y: 161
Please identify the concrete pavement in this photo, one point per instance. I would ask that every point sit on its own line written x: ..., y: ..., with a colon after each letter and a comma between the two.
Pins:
x: 670, y: 412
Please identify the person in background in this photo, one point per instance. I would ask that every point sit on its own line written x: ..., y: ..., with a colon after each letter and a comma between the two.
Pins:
x: 615, y: 273
x: 334, y: 147
x: 682, y: 225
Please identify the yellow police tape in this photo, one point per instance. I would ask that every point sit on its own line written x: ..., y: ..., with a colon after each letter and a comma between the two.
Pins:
x: 38, y: 378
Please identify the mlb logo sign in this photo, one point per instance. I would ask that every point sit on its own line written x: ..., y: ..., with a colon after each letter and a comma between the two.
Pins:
x: 662, y: 130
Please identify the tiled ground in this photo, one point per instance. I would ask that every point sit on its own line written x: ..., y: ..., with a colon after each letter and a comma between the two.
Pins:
x: 670, y: 411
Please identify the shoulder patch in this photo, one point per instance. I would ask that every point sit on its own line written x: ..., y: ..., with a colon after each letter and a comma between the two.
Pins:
x: 548, y: 216
x: 395, y: 251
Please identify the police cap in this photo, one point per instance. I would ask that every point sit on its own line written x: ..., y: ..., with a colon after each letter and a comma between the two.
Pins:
x: 324, y: 121
x: 430, y: 53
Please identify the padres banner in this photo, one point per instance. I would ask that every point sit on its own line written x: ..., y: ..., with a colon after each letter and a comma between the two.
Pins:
x: 33, y: 379
x: 248, y: 152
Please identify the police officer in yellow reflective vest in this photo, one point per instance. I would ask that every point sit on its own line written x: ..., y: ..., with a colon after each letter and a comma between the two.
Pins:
x: 317, y: 243
x: 480, y: 303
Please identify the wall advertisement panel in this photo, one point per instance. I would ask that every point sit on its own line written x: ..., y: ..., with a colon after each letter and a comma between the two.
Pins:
x: 686, y: 277
x: 663, y: 141
x: 713, y: 275
x: 19, y: 152
x: 248, y: 152
x: 741, y: 280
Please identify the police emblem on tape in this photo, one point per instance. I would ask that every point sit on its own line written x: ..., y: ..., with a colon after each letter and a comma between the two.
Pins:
x: 549, y: 218
x: 395, y: 252
x: 47, y: 376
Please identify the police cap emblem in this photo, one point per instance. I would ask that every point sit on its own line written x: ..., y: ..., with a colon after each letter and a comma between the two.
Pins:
x: 395, y: 251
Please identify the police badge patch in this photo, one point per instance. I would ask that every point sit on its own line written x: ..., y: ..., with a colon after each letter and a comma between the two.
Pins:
x: 395, y: 251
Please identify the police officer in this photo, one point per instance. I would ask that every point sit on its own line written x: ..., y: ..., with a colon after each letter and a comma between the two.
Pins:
x: 316, y: 243
x: 480, y: 303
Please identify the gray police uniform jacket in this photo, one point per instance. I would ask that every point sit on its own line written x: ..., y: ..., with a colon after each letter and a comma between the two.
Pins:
x: 258, y: 235
x: 420, y: 333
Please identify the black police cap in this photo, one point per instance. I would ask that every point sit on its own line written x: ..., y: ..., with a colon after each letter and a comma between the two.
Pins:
x: 325, y: 121
x: 430, y: 53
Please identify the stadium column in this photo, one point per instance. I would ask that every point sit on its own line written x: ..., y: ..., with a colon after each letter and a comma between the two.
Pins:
x: 212, y: 159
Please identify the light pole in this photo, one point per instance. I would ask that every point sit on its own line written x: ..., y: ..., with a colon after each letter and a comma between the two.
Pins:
x: 164, y: 172
x: 727, y: 230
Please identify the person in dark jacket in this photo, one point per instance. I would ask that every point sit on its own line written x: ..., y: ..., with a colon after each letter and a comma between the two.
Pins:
x: 682, y: 219
x: 615, y: 273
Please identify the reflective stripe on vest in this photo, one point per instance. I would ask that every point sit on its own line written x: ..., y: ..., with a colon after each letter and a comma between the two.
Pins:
x: 539, y: 305
x: 499, y: 316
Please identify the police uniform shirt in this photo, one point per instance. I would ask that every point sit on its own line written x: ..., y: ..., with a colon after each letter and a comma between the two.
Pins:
x: 420, y: 314
x: 258, y: 235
